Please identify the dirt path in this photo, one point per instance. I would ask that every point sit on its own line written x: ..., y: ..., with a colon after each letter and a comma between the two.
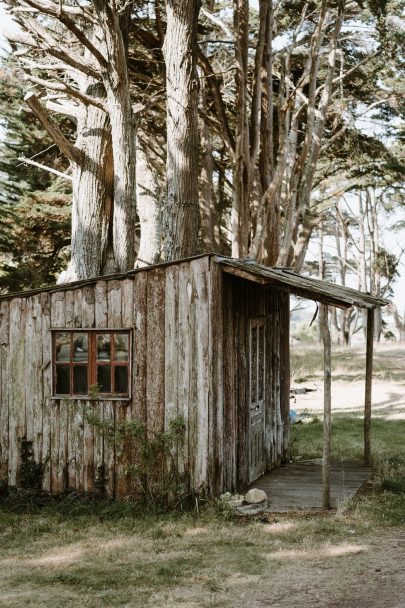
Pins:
x: 348, y: 397
x: 365, y: 575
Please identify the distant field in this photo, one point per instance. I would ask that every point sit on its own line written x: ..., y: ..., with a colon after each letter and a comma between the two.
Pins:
x: 347, y: 363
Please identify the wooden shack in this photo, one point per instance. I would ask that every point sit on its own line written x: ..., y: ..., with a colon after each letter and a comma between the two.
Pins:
x: 205, y: 338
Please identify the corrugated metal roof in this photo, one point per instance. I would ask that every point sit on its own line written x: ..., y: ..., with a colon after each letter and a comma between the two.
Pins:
x: 307, y: 287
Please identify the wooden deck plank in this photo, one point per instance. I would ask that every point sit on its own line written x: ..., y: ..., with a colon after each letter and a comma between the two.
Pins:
x: 298, y: 486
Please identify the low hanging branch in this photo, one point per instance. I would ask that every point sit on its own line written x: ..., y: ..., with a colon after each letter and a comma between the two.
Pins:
x: 28, y: 161
x: 50, y: 127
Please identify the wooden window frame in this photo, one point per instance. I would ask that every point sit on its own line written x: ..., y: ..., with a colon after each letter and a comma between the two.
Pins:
x: 92, y: 362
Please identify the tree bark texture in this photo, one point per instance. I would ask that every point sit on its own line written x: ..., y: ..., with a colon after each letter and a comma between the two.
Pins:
x: 241, y: 177
x: 114, y: 26
x: 149, y: 209
x: 181, y: 212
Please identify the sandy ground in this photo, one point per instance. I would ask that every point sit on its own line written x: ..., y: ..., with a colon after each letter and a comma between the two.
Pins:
x: 388, y: 397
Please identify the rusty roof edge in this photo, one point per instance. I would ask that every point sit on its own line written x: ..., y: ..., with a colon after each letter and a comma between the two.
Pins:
x: 284, y: 276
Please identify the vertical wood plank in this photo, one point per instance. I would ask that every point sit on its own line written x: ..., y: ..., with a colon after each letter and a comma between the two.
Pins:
x: 101, y: 318
x: 127, y: 302
x: 48, y: 405
x: 285, y: 372
x: 4, y: 388
x: 240, y: 476
x: 184, y: 358
x: 112, y: 409
x: 171, y: 343
x: 138, y: 402
x: 229, y: 386
x: 101, y: 304
x: 155, y: 353
x: 124, y: 409
x: 70, y: 297
x: 216, y: 391
x: 199, y: 385
x: 109, y: 448
x: 86, y: 461
x: 60, y: 412
x: 33, y: 375
x: 17, y: 421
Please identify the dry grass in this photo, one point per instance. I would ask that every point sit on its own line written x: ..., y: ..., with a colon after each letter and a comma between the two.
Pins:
x: 96, y: 555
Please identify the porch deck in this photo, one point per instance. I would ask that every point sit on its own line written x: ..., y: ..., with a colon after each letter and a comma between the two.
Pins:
x: 298, y: 486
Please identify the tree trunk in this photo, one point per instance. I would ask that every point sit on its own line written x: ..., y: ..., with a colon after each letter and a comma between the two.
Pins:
x: 362, y: 261
x: 207, y: 202
x: 241, y: 176
x: 114, y: 24
x: 92, y: 203
x: 149, y: 209
x: 181, y: 213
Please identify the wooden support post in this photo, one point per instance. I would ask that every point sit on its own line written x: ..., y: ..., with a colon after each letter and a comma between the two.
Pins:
x: 327, y: 406
x: 369, y: 380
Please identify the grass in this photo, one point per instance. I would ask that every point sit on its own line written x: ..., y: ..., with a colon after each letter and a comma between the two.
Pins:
x: 348, y: 364
x: 76, y: 552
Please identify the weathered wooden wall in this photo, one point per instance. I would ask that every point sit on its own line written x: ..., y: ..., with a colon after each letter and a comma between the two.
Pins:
x: 189, y: 358
x: 168, y: 309
x: 242, y: 301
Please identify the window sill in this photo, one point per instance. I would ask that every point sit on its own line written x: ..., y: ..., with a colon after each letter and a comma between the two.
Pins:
x: 87, y: 398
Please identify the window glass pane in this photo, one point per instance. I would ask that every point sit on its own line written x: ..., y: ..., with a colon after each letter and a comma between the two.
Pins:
x: 62, y: 379
x: 253, y: 364
x: 104, y: 378
x: 121, y: 347
x: 80, y: 347
x: 80, y: 380
x: 103, y: 347
x: 62, y: 346
x: 260, y: 379
x: 121, y: 378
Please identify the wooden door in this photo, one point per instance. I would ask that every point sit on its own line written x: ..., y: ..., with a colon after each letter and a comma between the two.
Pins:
x: 257, y: 462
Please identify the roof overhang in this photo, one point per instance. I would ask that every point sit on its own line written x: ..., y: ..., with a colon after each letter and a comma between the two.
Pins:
x: 305, y: 287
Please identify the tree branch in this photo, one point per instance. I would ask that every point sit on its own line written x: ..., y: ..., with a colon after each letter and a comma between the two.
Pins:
x: 49, y: 8
x: 65, y: 88
x: 28, y: 161
x: 72, y: 153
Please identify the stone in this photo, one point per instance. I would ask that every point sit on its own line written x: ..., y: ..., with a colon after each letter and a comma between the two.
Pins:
x: 249, y: 510
x: 255, y: 496
x: 225, y: 497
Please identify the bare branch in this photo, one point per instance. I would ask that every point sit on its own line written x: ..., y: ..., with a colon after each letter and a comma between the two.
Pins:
x: 49, y: 8
x: 65, y: 88
x: 217, y: 21
x: 72, y: 153
x: 28, y: 161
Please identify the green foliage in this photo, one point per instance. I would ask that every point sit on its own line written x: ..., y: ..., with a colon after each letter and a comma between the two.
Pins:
x: 154, y: 467
x: 34, y: 204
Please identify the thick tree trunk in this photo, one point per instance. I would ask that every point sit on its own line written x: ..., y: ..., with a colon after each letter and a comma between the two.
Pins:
x: 208, y: 202
x: 241, y: 176
x: 181, y: 213
x: 91, y: 249
x: 114, y: 24
x: 149, y: 209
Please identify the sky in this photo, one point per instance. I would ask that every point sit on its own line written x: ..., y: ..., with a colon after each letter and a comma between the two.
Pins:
x: 392, y: 241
